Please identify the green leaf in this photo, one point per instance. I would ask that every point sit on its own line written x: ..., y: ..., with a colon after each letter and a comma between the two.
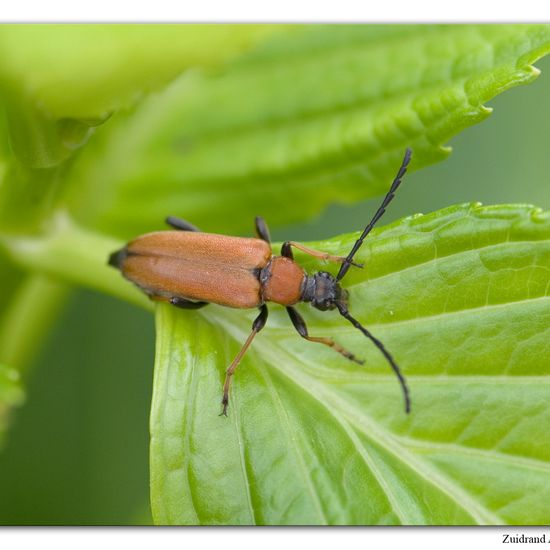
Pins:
x: 58, y: 83
x: 461, y: 299
x: 11, y: 395
x: 319, y: 115
x: 87, y: 71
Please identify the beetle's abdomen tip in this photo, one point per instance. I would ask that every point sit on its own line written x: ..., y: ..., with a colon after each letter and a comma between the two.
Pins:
x: 116, y: 258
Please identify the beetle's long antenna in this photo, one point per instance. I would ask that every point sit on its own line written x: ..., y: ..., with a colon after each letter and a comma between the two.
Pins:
x: 345, y: 313
x: 379, y: 213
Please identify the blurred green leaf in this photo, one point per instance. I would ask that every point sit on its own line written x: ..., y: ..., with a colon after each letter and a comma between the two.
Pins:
x: 59, y: 82
x: 88, y: 71
x: 11, y: 395
x: 461, y: 299
x: 320, y: 115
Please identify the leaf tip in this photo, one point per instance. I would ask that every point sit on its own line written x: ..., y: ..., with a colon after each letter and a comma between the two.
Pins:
x: 486, y: 111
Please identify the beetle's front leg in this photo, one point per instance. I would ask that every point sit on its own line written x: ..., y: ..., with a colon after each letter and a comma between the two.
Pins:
x: 286, y: 250
x: 257, y: 325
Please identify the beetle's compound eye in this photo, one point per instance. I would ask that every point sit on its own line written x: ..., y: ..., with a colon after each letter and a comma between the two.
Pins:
x: 341, y: 295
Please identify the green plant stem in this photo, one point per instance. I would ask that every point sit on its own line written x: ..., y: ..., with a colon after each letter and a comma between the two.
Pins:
x: 28, y: 318
x: 74, y: 255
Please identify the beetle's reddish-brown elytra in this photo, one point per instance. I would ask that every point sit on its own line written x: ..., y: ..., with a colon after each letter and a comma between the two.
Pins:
x: 191, y: 269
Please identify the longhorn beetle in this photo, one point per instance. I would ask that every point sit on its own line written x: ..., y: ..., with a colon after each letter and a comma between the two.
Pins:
x: 190, y: 269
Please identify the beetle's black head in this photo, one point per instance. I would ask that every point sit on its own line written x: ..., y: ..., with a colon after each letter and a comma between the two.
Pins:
x: 323, y: 291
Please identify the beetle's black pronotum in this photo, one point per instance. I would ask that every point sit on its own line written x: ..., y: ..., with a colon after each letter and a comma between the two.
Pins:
x: 191, y: 269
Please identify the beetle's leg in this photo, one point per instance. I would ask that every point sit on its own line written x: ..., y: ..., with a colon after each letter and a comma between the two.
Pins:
x: 257, y: 325
x: 261, y: 229
x: 181, y: 225
x: 286, y: 251
x: 179, y: 302
x: 186, y: 304
x: 300, y: 326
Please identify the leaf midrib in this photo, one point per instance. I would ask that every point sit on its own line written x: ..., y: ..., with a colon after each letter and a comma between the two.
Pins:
x: 281, y: 413
x: 492, y: 455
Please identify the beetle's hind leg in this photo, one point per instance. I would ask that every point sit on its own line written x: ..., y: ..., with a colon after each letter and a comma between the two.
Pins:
x: 257, y: 325
x: 179, y: 302
x: 300, y: 326
x: 186, y: 304
x: 181, y: 225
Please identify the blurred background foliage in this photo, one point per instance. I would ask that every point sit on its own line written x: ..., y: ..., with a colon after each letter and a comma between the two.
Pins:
x: 77, y: 450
